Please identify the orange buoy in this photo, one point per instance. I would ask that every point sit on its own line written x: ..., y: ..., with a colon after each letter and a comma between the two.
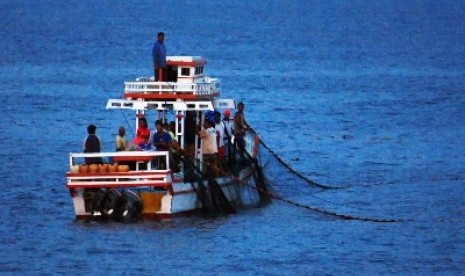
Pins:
x: 112, y: 167
x: 103, y: 168
x: 123, y: 168
x: 84, y: 168
x: 93, y: 168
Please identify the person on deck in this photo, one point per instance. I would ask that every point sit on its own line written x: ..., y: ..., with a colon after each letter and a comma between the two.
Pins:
x: 239, y: 127
x: 167, y: 128
x: 161, y: 139
x: 209, y: 149
x: 228, y: 133
x: 121, y: 142
x: 240, y: 109
x: 176, y: 153
x: 92, y: 144
x: 159, y: 58
x: 143, y: 133
x: 190, y: 130
x: 172, y: 128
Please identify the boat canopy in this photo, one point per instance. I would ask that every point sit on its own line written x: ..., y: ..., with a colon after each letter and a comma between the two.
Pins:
x: 178, y: 105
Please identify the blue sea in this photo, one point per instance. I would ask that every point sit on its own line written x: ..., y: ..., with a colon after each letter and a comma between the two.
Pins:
x: 367, y: 96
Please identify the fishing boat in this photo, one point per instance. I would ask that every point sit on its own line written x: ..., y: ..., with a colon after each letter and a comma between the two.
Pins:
x: 146, y: 183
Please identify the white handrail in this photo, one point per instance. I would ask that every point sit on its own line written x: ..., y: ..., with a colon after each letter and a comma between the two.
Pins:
x: 212, y: 87
x: 120, y: 153
x: 154, y: 154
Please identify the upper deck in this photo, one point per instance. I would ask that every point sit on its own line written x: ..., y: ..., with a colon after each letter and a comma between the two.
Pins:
x: 186, y: 80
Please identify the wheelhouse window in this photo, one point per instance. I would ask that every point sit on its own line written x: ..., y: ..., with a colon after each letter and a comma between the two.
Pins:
x: 199, y: 70
x: 185, y: 71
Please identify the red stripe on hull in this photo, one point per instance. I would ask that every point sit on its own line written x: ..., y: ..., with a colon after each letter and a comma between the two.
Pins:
x: 109, y: 174
x: 186, y: 63
x: 114, y: 185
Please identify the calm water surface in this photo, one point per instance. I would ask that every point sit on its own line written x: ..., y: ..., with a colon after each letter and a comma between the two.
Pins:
x: 367, y: 96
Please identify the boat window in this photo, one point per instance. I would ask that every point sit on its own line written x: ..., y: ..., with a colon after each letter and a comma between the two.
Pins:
x: 172, y: 73
x: 185, y: 71
x: 199, y: 70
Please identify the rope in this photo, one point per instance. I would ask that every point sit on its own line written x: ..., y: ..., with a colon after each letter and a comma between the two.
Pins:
x: 329, y: 201
x: 298, y: 174
x: 308, y: 207
x: 335, y: 214
x: 326, y: 212
x: 313, y: 208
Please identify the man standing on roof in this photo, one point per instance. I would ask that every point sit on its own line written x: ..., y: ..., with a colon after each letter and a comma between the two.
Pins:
x: 159, y: 58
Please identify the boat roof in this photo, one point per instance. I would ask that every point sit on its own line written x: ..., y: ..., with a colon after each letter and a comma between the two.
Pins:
x: 186, y: 80
x: 191, y: 61
x: 177, y: 105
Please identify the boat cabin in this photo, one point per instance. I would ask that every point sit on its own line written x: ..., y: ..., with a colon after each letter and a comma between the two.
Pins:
x: 186, y: 81
x: 185, y: 69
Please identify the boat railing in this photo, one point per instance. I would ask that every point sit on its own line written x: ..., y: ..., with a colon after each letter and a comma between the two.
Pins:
x: 119, y: 169
x: 143, y: 85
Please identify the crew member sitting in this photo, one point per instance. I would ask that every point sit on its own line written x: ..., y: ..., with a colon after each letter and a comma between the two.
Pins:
x: 143, y: 133
x: 161, y: 140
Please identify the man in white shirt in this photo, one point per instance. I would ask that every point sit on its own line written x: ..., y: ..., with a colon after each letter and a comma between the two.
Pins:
x: 209, y: 149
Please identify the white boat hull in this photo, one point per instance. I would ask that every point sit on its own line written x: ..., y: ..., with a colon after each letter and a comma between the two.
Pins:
x: 180, y: 198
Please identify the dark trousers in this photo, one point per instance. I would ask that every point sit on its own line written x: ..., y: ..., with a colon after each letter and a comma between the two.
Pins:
x: 161, y: 74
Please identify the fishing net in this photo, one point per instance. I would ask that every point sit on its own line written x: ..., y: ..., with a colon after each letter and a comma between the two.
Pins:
x: 290, y: 186
x: 224, y: 190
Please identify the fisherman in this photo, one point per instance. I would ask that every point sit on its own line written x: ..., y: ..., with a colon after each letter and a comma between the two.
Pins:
x: 209, y: 149
x: 142, y: 133
x: 240, y: 109
x: 228, y: 134
x: 167, y: 129
x: 239, y: 127
x: 121, y: 142
x: 92, y: 144
x: 159, y: 58
x: 161, y: 140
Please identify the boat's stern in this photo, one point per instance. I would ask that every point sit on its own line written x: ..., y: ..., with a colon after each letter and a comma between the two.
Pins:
x: 129, y: 187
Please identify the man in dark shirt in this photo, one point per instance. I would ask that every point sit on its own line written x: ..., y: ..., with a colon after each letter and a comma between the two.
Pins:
x: 161, y: 139
x: 92, y: 144
x: 159, y: 58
